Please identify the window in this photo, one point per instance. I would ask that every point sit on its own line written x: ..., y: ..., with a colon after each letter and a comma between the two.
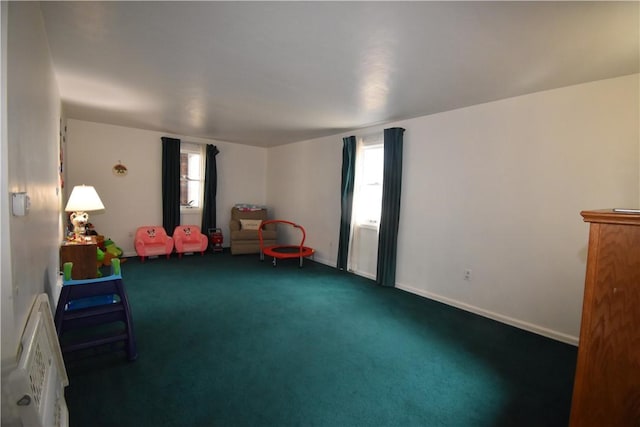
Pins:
x: 367, y: 206
x: 191, y: 176
x: 368, y: 188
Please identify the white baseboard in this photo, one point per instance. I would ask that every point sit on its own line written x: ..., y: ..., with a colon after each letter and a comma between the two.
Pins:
x: 357, y: 272
x: 364, y: 274
x: 323, y: 261
x: 536, y: 329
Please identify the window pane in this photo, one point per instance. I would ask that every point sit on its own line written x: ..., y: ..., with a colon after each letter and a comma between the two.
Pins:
x: 368, y: 193
x: 369, y: 206
x: 191, y: 178
x: 184, y: 170
x: 373, y: 164
x: 194, y: 166
x: 193, y: 196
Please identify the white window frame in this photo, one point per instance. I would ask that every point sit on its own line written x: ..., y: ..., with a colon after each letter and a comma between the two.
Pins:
x: 193, y: 150
x: 363, y: 239
x: 366, y: 145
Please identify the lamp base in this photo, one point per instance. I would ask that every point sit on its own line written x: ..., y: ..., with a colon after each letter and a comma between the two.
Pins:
x: 79, y: 220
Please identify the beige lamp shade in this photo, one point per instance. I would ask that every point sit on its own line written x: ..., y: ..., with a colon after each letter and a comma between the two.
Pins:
x: 84, y: 198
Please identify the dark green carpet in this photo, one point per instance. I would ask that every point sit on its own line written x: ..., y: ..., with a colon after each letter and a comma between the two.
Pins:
x: 231, y: 341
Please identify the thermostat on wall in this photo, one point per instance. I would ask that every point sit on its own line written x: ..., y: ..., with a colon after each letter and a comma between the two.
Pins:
x: 20, y: 203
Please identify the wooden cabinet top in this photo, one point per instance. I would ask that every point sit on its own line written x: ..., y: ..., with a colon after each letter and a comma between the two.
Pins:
x: 89, y: 240
x: 609, y: 216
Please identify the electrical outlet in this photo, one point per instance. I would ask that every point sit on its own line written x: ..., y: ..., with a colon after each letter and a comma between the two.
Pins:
x: 467, y: 275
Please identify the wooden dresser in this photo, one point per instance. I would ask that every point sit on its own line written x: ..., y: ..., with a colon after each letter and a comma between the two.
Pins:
x: 607, y: 383
x: 83, y: 255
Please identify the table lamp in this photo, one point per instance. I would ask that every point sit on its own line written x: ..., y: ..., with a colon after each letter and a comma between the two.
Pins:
x: 83, y: 199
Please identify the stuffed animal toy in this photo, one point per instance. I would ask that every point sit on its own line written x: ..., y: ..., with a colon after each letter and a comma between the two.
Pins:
x: 100, y: 256
x: 79, y: 221
x: 91, y: 229
x: 106, y: 260
x: 105, y: 257
x: 111, y: 248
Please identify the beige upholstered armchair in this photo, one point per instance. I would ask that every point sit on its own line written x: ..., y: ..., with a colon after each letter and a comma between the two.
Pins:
x: 244, y: 225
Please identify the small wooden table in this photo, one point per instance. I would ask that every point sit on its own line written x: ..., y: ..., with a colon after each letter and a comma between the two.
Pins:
x: 83, y: 255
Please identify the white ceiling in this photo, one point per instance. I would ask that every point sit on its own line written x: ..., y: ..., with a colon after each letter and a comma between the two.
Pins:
x: 269, y: 73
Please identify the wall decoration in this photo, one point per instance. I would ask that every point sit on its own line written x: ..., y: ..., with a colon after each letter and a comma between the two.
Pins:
x: 119, y: 169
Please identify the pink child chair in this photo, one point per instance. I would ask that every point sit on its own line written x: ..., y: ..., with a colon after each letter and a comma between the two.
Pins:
x: 152, y: 241
x: 189, y: 238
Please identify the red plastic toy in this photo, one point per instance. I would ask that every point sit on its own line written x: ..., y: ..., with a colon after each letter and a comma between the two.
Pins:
x: 284, y: 251
x: 215, y: 239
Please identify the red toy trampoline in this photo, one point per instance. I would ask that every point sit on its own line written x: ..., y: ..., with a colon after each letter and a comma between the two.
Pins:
x: 284, y: 251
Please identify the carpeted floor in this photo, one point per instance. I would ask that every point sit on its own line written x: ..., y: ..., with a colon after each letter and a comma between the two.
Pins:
x: 231, y: 341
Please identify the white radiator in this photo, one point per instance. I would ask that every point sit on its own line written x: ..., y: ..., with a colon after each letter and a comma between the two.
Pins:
x: 37, y: 384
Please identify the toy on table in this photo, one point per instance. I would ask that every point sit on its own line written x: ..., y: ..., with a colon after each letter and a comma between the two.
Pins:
x: 79, y: 221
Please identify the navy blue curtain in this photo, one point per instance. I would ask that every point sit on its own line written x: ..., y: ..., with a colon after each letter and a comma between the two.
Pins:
x: 170, y: 184
x: 346, y: 191
x: 390, y: 215
x: 210, y: 189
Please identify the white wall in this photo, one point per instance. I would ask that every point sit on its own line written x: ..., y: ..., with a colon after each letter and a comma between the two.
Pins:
x: 496, y: 188
x: 7, y: 323
x: 31, y: 145
x: 303, y: 186
x: 92, y: 149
